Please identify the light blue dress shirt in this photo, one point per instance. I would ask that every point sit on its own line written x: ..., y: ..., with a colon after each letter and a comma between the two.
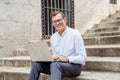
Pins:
x: 69, y: 44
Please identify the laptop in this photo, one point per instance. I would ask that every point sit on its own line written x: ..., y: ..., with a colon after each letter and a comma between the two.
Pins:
x: 39, y: 51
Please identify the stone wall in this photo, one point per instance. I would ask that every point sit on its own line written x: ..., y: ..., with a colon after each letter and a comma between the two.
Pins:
x: 19, y: 23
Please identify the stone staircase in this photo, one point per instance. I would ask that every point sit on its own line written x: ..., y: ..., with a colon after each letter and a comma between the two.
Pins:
x: 102, y: 43
x: 103, y: 46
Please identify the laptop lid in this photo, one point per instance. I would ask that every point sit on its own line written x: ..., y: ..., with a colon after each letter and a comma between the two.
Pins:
x: 39, y: 51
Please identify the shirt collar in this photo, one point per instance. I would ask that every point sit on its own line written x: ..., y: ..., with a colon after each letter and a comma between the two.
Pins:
x: 64, y: 31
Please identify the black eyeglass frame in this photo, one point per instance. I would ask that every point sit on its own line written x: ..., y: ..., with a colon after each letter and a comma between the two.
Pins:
x: 57, y: 21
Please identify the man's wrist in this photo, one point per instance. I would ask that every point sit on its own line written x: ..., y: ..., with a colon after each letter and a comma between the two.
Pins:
x: 67, y: 59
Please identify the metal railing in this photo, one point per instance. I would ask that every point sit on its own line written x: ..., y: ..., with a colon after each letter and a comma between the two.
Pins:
x: 66, y: 6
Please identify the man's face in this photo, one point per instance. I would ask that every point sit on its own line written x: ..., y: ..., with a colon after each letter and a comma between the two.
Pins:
x: 59, y: 22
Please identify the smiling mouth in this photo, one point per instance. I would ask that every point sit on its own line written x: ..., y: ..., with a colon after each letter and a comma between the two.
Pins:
x: 59, y: 26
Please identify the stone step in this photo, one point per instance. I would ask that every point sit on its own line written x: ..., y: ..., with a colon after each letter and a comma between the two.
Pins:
x: 20, y: 73
x: 21, y: 52
x: 99, y: 40
x: 103, y: 64
x: 114, y: 15
x: 16, y: 61
x: 109, y: 24
x: 102, y: 40
x: 99, y: 63
x: 97, y: 34
x: 111, y: 19
x: 103, y: 21
x: 14, y: 73
x: 103, y: 29
x: 117, y: 13
x: 103, y: 50
x: 95, y: 26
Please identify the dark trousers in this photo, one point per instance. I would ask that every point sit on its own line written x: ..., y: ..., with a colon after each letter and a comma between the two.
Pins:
x: 57, y: 70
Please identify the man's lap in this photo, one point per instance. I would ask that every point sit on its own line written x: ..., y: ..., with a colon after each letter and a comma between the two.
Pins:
x: 67, y: 69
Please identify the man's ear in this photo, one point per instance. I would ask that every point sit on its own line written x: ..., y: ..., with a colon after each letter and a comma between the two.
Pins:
x: 65, y: 19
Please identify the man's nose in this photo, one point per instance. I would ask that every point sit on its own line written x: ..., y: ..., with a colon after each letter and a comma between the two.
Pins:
x: 57, y: 22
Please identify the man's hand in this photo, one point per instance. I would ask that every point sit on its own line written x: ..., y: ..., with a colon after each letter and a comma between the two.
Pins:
x: 60, y: 58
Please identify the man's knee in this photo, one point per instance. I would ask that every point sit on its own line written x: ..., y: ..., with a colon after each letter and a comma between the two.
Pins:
x: 55, y: 65
x: 36, y: 66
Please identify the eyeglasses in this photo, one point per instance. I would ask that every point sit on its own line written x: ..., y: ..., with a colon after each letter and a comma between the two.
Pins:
x: 57, y: 21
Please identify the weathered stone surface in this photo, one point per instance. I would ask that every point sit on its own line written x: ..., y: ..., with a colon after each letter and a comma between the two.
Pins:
x: 104, y: 28
x: 18, y: 61
x: 103, y: 40
x: 100, y: 63
x: 97, y: 34
x: 25, y: 23
x: 103, y: 50
x: 21, y: 52
x: 13, y: 73
x: 103, y: 64
x: 112, y: 18
x: 20, y: 22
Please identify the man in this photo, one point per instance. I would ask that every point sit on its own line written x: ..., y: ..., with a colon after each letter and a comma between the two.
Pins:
x: 68, y: 52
